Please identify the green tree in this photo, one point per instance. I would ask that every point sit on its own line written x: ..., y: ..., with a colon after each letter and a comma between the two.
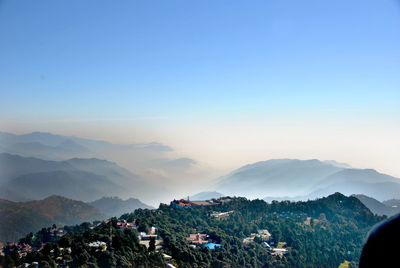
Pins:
x: 152, y: 244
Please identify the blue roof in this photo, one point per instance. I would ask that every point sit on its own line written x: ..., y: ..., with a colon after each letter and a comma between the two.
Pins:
x: 212, y: 246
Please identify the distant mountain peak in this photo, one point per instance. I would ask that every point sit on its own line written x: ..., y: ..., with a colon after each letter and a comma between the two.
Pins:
x: 115, y: 206
x: 337, y: 164
x: 275, y: 177
x: 206, y: 196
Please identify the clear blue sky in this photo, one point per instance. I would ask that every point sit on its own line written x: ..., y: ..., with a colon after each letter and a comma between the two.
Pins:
x: 91, y: 59
x: 194, y: 61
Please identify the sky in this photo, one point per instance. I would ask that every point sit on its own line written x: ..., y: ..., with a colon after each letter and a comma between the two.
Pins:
x: 224, y: 82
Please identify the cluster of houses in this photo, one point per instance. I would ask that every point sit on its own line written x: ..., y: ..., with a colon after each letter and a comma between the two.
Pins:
x: 22, y: 249
x: 263, y: 235
x: 61, y: 259
x: 196, y: 239
x: 144, y: 238
x: 98, y: 245
x: 123, y: 224
x: 201, y: 239
x: 265, y: 238
x: 49, y: 235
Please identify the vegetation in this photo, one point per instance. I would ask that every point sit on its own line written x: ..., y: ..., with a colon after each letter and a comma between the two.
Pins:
x: 322, y: 233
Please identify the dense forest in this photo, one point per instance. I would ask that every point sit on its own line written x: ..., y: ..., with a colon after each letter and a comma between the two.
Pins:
x: 321, y: 233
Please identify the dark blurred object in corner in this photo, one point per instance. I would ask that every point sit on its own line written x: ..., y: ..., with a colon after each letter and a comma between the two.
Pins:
x: 382, y: 247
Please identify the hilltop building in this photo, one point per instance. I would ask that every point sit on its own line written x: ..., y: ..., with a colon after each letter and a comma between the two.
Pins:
x: 182, y: 203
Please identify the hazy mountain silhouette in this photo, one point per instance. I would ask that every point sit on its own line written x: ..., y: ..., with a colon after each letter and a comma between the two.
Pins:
x: 368, y: 182
x: 377, y: 207
x: 57, y: 147
x: 12, y: 166
x: 292, y: 179
x: 356, y: 175
x: 395, y: 203
x: 115, y: 206
x: 206, y: 196
x: 154, y: 161
x: 79, y: 185
x: 27, y: 178
x: 276, y: 177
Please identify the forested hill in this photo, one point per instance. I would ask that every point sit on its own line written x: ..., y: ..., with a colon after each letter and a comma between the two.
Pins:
x: 20, y: 218
x: 320, y: 233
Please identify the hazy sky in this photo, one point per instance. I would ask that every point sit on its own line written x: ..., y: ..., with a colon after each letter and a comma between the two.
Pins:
x: 224, y: 82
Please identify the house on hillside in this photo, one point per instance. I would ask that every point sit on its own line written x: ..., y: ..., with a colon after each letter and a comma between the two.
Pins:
x: 123, y: 224
x: 98, y: 245
x: 279, y: 252
x: 262, y: 235
x: 144, y: 239
x: 143, y: 236
x: 221, y: 215
x: 198, y: 239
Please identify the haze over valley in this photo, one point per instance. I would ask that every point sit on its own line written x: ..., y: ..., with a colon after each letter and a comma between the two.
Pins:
x: 29, y: 174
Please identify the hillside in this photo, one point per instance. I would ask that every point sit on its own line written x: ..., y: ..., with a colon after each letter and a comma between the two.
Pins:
x: 20, y: 218
x: 376, y: 207
x: 380, y: 191
x: 325, y: 233
x: 115, y: 206
x: 394, y: 203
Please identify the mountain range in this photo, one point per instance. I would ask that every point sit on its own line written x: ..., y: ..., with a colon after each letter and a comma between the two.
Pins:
x: 156, y: 162
x: 295, y: 179
x: 58, y: 147
x: 36, y: 165
x: 28, y: 178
